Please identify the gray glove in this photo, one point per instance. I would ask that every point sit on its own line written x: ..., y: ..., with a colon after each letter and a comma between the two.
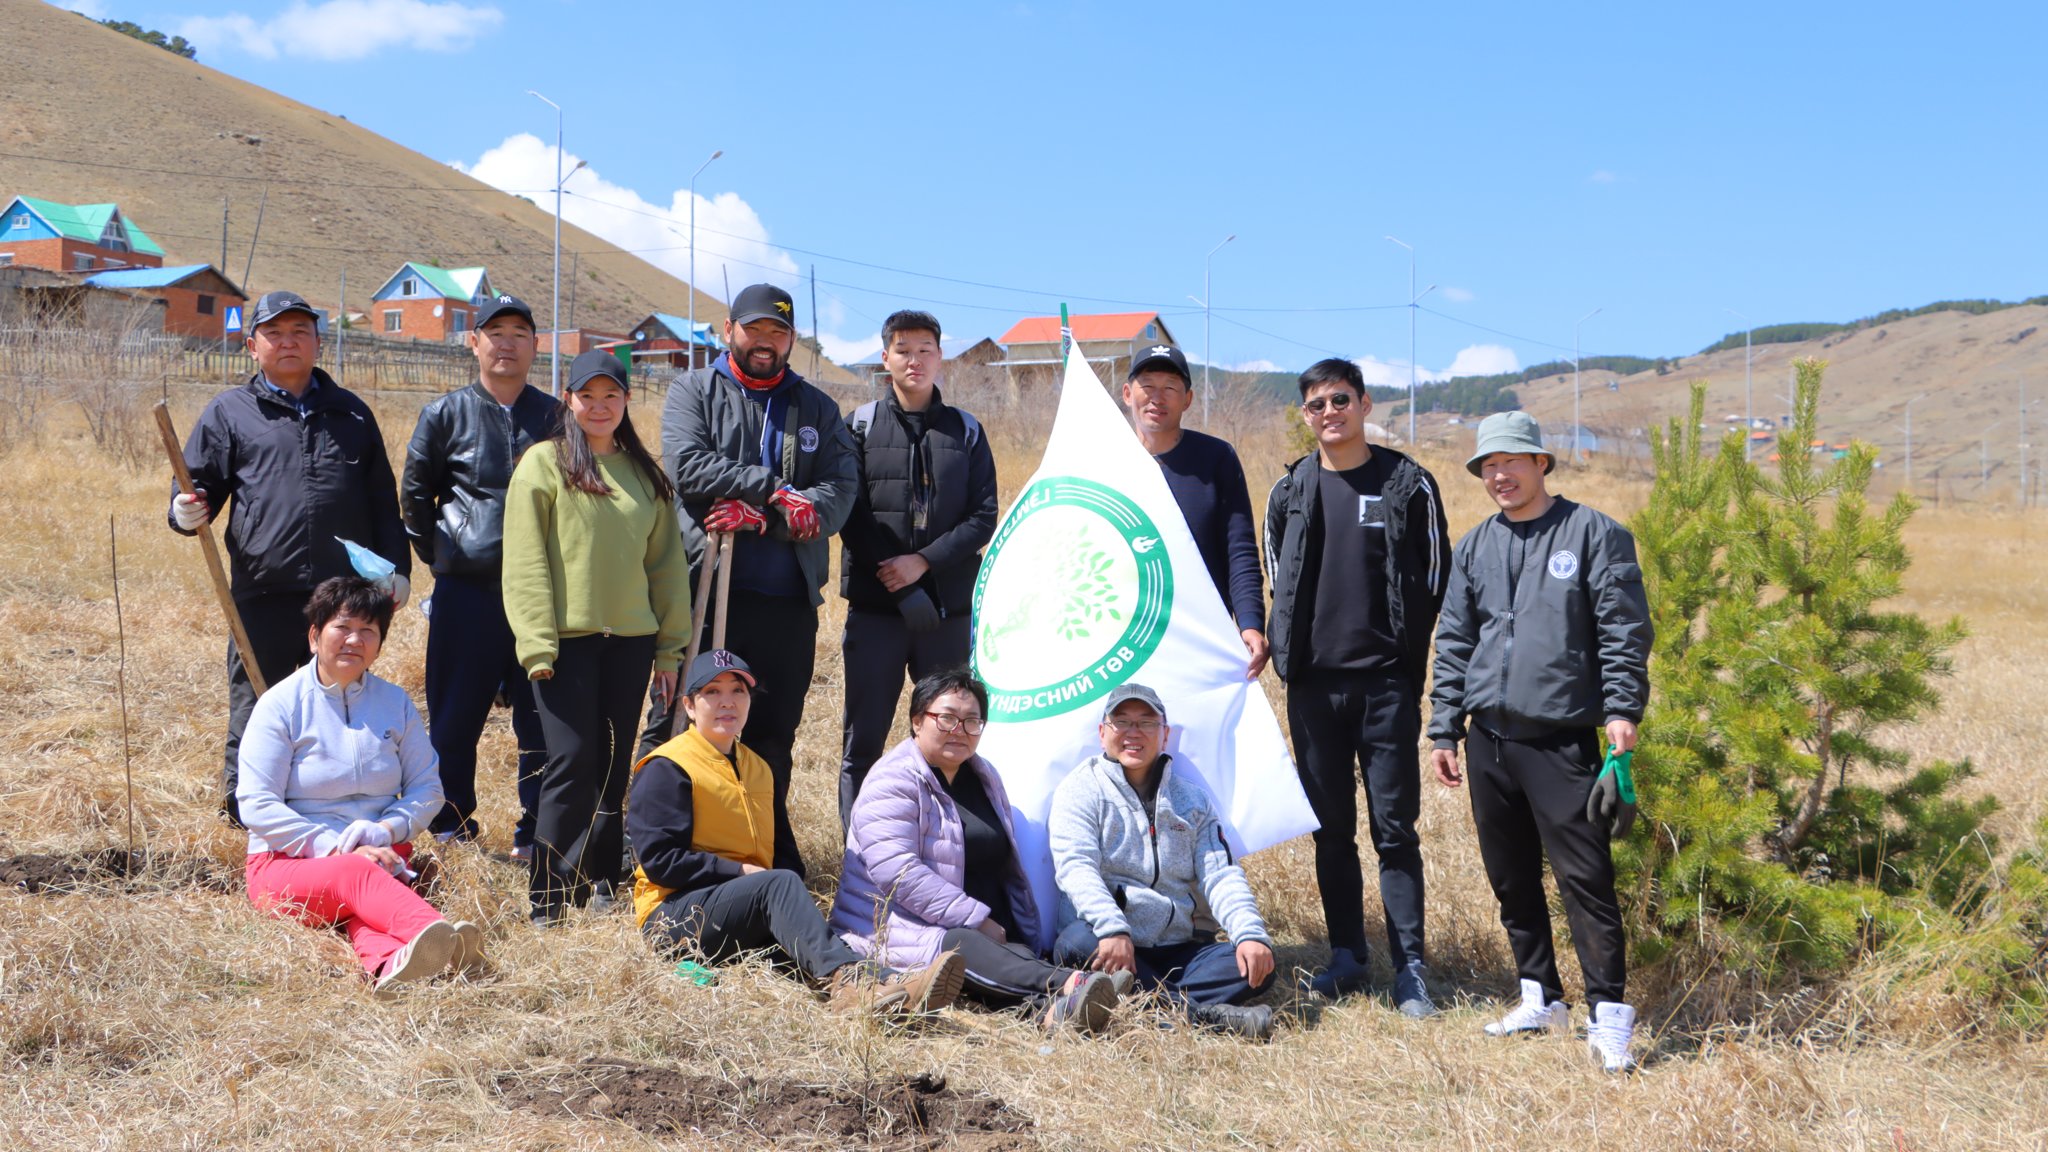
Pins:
x: 919, y: 612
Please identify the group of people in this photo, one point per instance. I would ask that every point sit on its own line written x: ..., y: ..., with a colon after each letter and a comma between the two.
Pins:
x: 563, y: 554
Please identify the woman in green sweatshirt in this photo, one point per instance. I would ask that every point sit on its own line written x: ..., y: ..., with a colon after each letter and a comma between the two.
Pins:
x: 597, y: 589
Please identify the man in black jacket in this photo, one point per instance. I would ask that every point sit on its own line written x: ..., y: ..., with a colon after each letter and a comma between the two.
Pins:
x: 1545, y: 640
x: 1357, y: 547
x: 757, y: 450
x: 911, y: 548
x: 299, y: 463
x: 453, y: 497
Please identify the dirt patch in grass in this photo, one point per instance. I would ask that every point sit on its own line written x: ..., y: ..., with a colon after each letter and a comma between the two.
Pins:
x: 908, y: 1112
x: 112, y: 870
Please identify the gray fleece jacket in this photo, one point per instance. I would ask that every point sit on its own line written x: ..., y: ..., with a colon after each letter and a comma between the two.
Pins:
x: 1161, y: 880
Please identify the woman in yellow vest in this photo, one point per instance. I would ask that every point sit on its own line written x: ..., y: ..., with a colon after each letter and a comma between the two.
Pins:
x: 701, y: 819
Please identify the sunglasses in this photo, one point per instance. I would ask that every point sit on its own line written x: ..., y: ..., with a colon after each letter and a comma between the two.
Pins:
x: 1336, y: 403
x: 948, y: 722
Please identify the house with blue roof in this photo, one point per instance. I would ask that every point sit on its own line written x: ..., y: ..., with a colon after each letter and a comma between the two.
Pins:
x: 196, y: 297
x: 37, y: 233
x: 662, y: 337
x: 424, y: 301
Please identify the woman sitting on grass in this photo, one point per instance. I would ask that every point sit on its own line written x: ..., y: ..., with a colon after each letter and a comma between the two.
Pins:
x: 702, y: 819
x: 931, y: 861
x: 335, y: 778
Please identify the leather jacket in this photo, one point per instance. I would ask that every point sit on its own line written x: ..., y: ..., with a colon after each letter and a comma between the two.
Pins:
x: 456, y: 471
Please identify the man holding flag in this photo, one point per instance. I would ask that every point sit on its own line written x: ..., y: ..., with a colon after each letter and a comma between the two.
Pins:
x: 1356, y: 540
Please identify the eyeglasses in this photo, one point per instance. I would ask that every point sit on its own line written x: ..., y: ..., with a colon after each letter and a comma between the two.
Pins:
x: 1335, y: 403
x: 948, y: 722
x: 1148, y: 725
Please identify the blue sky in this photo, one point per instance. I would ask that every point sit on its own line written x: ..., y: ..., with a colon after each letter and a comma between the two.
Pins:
x: 1663, y: 163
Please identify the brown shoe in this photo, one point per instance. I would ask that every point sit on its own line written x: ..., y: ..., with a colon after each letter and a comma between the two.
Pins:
x: 858, y: 988
x: 933, y: 987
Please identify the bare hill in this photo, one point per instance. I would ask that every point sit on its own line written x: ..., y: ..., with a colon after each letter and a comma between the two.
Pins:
x: 167, y: 138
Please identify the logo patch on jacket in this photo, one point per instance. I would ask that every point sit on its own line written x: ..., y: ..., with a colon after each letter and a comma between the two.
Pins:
x: 807, y: 438
x: 1564, y: 565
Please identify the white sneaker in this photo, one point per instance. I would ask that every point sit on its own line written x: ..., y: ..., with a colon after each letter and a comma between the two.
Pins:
x: 1532, y: 1015
x: 1609, y: 1033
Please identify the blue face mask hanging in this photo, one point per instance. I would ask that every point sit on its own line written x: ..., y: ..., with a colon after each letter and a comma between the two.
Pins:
x: 368, y: 565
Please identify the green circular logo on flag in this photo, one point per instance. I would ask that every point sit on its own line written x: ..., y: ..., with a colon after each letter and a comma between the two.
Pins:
x: 1073, y: 598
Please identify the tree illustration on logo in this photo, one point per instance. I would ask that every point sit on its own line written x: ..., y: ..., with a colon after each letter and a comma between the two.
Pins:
x: 1089, y: 599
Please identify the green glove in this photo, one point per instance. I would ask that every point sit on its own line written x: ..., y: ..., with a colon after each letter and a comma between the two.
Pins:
x: 697, y: 973
x: 1612, y: 802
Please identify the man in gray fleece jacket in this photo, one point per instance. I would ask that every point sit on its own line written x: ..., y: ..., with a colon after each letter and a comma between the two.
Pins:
x: 1146, y: 878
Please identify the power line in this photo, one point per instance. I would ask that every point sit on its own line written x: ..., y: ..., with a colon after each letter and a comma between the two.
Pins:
x: 1495, y: 331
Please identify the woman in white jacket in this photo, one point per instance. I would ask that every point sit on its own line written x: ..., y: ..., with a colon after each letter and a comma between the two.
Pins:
x: 335, y: 778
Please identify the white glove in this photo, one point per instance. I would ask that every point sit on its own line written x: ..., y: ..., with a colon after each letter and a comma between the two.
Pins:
x: 189, y: 511
x: 363, y: 834
x: 401, y: 590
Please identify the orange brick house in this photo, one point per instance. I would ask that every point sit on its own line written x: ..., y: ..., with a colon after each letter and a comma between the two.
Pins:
x: 196, y: 296
x: 425, y: 302
x: 73, y: 237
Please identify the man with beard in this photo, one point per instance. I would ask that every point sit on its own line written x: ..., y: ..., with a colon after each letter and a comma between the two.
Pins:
x: 756, y: 450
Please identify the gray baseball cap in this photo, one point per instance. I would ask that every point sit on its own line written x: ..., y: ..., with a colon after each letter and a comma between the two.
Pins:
x: 1510, y: 432
x: 1138, y: 692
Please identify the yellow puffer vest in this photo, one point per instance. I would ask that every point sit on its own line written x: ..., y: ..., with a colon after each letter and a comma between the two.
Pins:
x: 733, y: 816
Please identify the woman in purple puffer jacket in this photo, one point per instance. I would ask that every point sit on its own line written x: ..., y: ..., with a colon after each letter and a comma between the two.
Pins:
x: 931, y: 865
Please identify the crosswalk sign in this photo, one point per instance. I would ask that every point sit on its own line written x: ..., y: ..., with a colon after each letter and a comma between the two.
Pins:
x: 233, y: 318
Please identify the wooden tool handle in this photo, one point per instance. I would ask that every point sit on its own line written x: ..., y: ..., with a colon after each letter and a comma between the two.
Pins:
x: 212, y: 551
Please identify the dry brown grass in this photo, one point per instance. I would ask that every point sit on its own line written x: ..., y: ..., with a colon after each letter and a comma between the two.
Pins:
x: 177, y: 1017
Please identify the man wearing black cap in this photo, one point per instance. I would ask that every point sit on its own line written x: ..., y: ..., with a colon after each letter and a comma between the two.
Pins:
x: 302, y: 462
x: 756, y: 450
x: 912, y: 545
x: 1207, y: 481
x: 453, y: 498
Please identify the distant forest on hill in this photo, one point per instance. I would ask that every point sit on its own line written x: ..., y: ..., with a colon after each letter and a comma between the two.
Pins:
x: 1794, y: 333
x: 176, y: 45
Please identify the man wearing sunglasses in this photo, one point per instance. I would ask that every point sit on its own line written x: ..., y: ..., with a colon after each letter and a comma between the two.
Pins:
x: 1358, y: 553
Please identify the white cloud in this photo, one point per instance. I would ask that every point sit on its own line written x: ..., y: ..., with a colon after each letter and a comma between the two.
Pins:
x: 1459, y: 295
x: 1473, y: 360
x: 1253, y: 366
x: 1602, y: 176
x: 346, y: 29
x: 849, y: 349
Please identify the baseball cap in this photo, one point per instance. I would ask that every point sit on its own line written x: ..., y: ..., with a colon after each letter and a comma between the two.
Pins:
x: 709, y: 666
x: 1514, y: 432
x: 763, y: 302
x: 503, y: 305
x: 1138, y: 692
x: 271, y: 305
x: 1163, y: 357
x: 595, y: 362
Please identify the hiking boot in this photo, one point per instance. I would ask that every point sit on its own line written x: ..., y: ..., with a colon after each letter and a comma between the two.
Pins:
x: 1087, y: 1002
x: 1609, y: 1034
x: 468, y: 959
x: 1411, y: 992
x: 933, y: 987
x: 1124, y: 980
x: 1251, y: 1021
x: 1532, y: 1015
x: 864, y: 987
x: 426, y: 956
x: 1348, y: 972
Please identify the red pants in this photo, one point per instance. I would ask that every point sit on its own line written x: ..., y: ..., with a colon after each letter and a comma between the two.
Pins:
x: 377, y: 910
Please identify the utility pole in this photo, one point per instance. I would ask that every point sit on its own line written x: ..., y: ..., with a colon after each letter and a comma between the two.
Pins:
x: 691, y: 338
x: 555, y: 305
x: 1578, y: 436
x: 1414, y: 303
x: 1206, y: 260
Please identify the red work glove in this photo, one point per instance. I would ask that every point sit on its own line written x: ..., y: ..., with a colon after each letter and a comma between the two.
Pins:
x: 798, y: 509
x: 734, y: 516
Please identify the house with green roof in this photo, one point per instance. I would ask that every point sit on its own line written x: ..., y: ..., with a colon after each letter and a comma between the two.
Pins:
x: 426, y: 302
x: 36, y: 233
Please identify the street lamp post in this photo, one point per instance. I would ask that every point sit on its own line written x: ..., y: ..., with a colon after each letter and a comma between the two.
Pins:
x: 1414, y: 302
x: 1206, y: 260
x: 555, y: 305
x: 1748, y: 409
x: 690, y: 338
x: 1578, y: 435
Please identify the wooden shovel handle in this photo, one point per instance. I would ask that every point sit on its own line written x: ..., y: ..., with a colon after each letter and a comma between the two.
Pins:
x: 212, y: 551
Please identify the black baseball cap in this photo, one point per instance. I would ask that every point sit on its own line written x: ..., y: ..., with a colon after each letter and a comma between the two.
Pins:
x: 709, y: 666
x: 271, y: 305
x: 1163, y: 357
x: 595, y: 362
x: 764, y: 302
x: 501, y: 306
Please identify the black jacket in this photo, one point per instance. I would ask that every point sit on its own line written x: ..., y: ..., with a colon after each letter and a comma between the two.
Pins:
x: 661, y: 817
x: 1569, y: 649
x: 960, y: 514
x: 290, y: 485
x: 456, y: 472
x: 710, y: 438
x: 1418, y: 561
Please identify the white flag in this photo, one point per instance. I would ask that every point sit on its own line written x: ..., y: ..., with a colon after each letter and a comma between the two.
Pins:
x: 1093, y: 579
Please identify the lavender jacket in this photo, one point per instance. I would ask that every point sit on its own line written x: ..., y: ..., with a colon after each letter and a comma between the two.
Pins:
x: 905, y: 852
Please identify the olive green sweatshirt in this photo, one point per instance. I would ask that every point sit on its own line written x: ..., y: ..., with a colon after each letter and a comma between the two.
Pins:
x: 578, y: 564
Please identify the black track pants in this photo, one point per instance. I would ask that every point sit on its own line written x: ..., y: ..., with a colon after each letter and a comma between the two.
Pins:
x: 469, y: 656
x: 587, y: 710
x: 1004, y: 974
x: 879, y: 650
x: 1529, y: 802
x: 756, y: 911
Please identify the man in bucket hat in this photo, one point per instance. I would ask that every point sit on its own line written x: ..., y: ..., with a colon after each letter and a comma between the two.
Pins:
x: 1543, y: 641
